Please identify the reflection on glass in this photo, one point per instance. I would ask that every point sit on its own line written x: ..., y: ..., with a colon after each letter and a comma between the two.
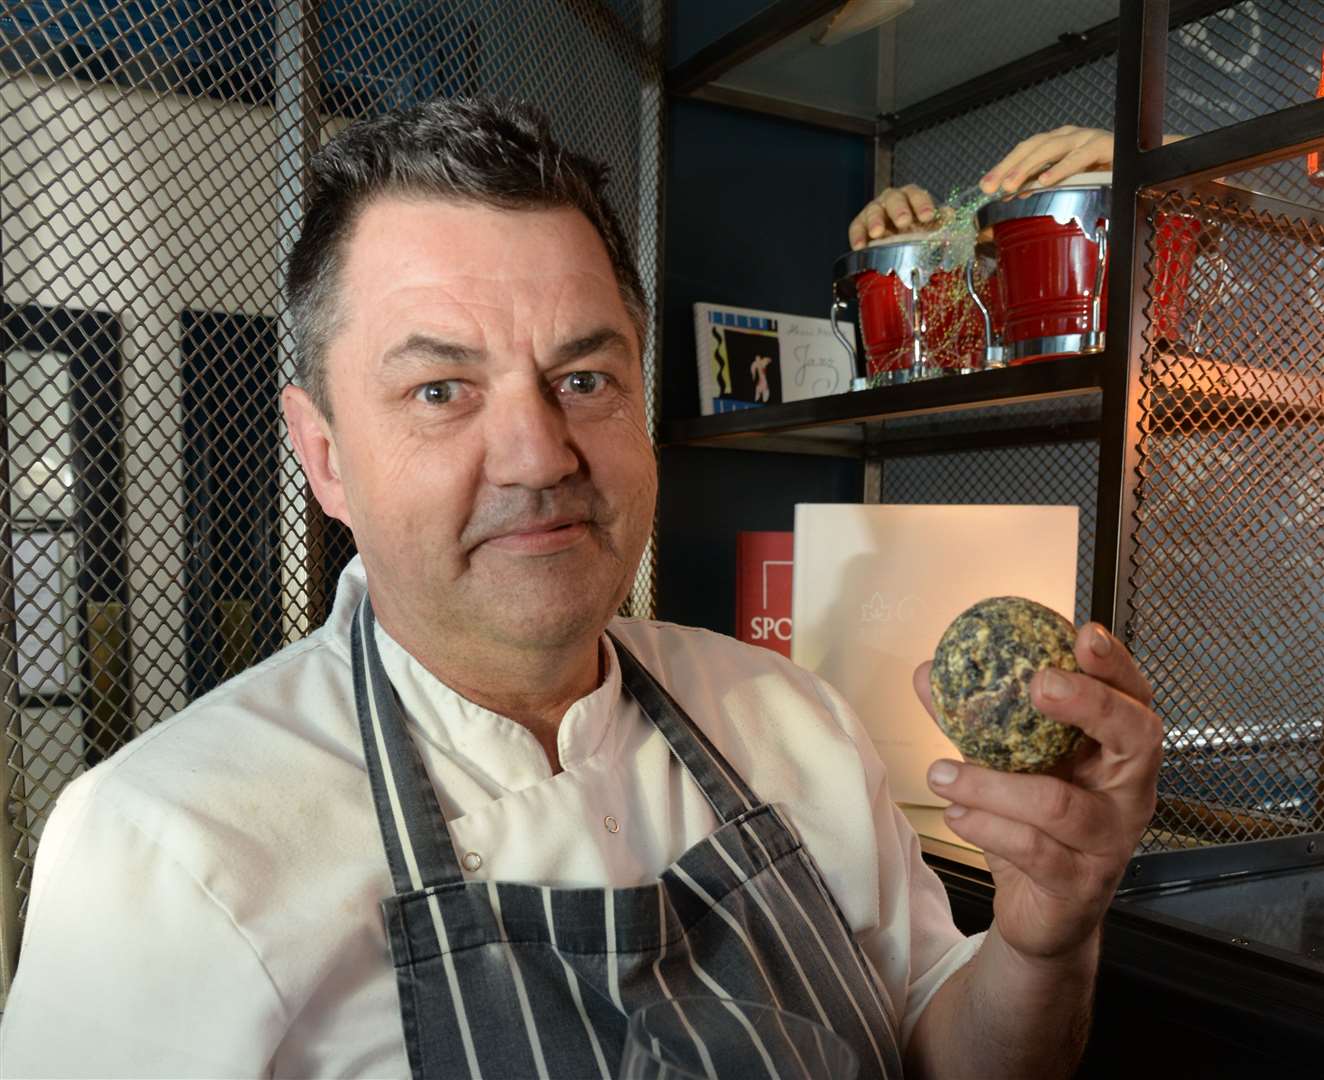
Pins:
x: 46, y: 601
x: 39, y: 415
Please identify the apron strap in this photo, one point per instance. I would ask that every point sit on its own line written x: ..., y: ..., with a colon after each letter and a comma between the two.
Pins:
x: 418, y: 844
x: 726, y: 792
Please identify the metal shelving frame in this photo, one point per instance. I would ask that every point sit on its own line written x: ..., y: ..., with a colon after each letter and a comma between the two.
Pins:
x: 857, y: 424
x: 854, y: 424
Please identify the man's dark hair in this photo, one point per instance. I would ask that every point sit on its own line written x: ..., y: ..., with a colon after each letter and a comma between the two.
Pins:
x: 487, y: 151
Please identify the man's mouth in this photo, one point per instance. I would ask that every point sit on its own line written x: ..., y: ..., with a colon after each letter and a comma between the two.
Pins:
x: 541, y: 538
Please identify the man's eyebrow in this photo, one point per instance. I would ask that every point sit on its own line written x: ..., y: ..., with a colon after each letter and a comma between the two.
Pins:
x: 598, y: 341
x: 426, y: 347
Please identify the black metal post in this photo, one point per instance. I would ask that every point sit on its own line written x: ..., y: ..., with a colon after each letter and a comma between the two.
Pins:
x: 1138, y: 128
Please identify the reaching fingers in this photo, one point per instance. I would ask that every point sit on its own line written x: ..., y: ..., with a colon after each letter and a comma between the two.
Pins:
x: 921, y: 202
x: 894, y: 210
x: 1046, y: 151
x: 1072, y: 816
x: 1095, y: 151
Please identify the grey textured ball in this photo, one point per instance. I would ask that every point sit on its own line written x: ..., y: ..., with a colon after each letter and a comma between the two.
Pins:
x: 981, y: 683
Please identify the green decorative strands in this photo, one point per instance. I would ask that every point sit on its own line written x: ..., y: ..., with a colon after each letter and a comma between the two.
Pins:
x: 981, y: 683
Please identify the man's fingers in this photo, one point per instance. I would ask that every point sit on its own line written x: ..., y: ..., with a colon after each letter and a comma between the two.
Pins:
x: 1047, y: 155
x: 1049, y: 864
x: 1100, y: 654
x: 1092, y: 154
x: 921, y: 203
x: 999, y: 176
x: 1115, y: 720
x: 1069, y: 814
x: 1035, y: 159
x: 897, y: 207
x: 893, y: 210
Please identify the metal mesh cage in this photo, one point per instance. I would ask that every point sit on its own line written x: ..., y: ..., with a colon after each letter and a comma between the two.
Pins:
x: 1236, y: 64
x: 157, y: 537
x: 1227, y: 572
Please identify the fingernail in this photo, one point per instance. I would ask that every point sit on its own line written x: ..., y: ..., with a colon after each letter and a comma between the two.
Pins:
x: 1101, y: 642
x: 875, y: 230
x: 926, y: 215
x: 955, y: 811
x: 942, y: 773
x: 986, y: 178
x: 1055, y: 685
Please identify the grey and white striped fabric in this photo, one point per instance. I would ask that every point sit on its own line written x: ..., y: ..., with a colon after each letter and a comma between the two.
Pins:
x: 503, y: 979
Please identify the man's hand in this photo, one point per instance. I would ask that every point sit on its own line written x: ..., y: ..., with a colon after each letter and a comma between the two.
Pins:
x: 1051, y: 156
x: 1057, y: 845
x: 895, y: 210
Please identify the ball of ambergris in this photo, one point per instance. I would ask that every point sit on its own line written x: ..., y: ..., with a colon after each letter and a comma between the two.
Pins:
x: 981, y: 683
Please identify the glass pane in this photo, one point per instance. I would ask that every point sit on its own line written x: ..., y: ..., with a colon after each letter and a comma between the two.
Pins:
x: 40, y: 439
x: 45, y: 589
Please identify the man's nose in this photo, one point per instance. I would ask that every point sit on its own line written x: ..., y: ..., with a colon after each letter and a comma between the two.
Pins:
x: 528, y: 440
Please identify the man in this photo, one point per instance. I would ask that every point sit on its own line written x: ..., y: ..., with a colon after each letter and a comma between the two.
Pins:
x: 666, y: 811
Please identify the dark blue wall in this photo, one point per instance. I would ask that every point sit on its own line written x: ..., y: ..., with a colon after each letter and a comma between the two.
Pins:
x: 709, y: 495
x: 756, y: 213
x: 692, y: 24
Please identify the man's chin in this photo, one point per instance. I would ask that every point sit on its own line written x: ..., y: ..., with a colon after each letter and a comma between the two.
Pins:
x: 534, y: 609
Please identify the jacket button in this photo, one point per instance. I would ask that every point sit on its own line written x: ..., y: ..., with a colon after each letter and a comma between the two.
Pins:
x: 472, y: 861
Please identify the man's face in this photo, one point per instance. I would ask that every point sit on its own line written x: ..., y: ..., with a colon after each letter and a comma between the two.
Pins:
x: 489, y: 435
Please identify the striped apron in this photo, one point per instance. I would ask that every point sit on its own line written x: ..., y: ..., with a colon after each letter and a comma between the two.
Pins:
x: 502, y: 979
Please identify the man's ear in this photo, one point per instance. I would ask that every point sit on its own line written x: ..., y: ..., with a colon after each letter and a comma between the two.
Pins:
x: 315, y: 446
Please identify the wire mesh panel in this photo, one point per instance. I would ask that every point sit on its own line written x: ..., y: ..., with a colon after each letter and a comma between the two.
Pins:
x: 1236, y: 64
x: 1227, y: 574
x: 1054, y: 474
x: 1246, y: 61
x: 157, y: 537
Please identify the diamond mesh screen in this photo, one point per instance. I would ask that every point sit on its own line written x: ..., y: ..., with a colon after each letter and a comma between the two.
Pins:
x: 1227, y: 574
x: 156, y: 536
x: 1054, y: 474
x: 1248, y: 60
x: 1245, y: 61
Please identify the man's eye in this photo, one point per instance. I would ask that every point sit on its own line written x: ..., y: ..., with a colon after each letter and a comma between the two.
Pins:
x: 437, y: 393
x: 584, y: 382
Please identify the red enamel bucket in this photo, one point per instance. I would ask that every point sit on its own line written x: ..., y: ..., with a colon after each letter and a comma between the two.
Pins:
x: 915, y: 321
x: 1052, y: 256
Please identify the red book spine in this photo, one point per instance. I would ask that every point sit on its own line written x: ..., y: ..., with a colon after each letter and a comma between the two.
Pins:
x: 763, y: 589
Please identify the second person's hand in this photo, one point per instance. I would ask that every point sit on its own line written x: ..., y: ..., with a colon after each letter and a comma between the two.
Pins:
x: 1051, y: 156
x: 894, y: 210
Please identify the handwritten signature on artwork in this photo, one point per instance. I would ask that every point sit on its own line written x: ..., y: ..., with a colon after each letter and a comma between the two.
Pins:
x: 815, y: 372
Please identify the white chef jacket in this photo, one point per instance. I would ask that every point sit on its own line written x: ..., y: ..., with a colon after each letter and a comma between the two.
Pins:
x: 206, y: 902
